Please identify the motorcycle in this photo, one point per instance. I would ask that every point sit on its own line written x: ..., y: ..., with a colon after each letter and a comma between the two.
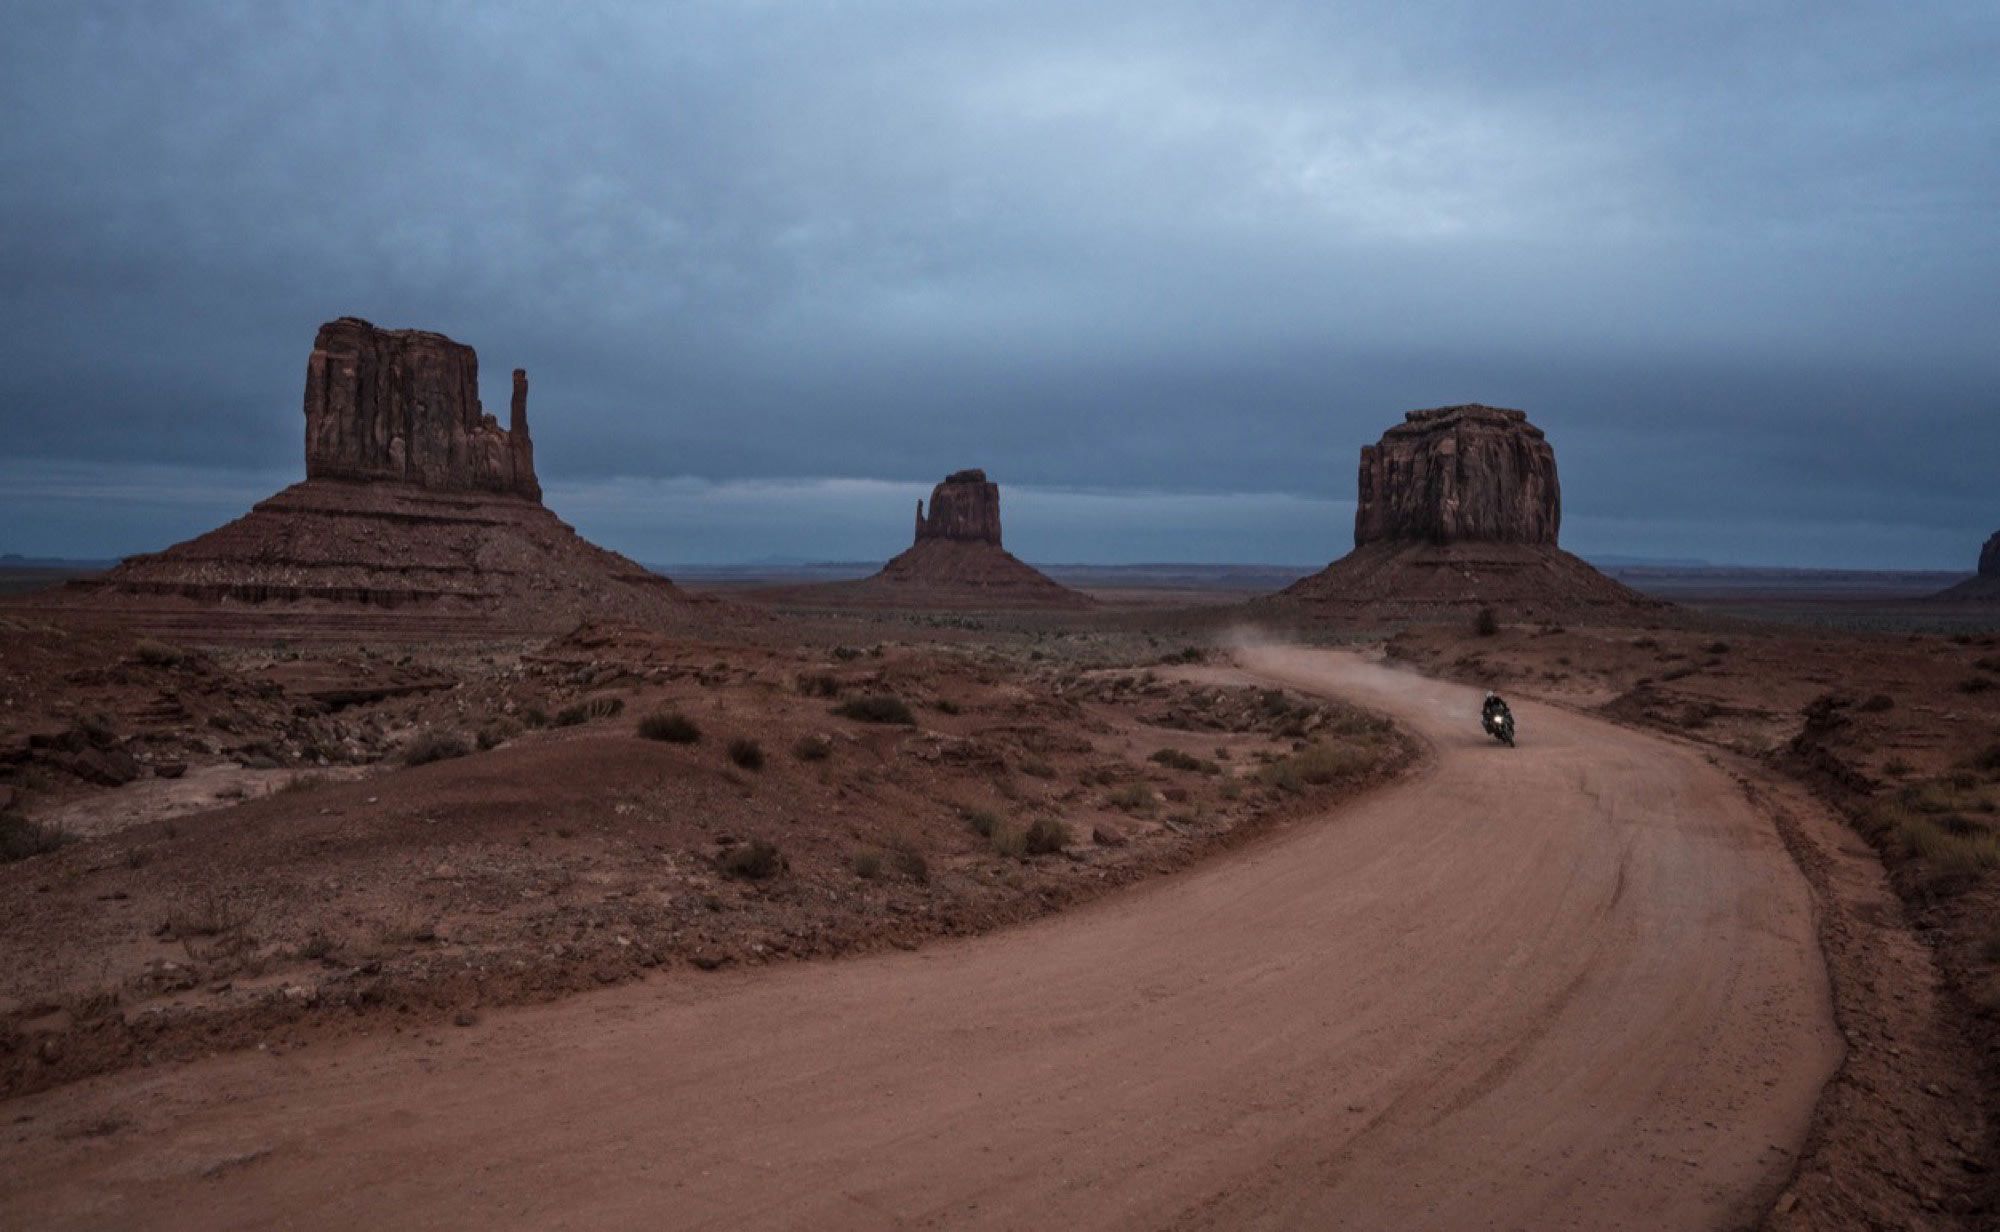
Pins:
x: 1500, y: 726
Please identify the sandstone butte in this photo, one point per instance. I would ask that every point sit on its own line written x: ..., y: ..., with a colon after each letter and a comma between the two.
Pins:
x: 956, y: 561
x: 1458, y: 507
x: 1983, y: 586
x: 419, y: 515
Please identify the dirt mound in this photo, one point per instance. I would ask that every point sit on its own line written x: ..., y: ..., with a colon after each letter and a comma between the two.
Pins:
x: 368, y: 558
x: 1458, y: 507
x: 1416, y: 579
x: 420, y: 516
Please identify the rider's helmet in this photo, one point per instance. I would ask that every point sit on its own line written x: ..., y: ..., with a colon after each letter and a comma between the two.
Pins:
x: 1491, y: 695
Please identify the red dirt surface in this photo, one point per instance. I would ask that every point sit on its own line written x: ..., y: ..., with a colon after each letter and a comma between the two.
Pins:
x: 1568, y: 985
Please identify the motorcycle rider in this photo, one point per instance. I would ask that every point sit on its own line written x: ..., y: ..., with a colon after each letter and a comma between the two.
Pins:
x: 1491, y: 712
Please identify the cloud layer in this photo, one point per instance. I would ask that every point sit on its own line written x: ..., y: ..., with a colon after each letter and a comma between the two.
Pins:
x: 1185, y: 258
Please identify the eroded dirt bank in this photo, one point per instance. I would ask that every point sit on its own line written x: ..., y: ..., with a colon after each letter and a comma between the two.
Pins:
x: 1571, y: 985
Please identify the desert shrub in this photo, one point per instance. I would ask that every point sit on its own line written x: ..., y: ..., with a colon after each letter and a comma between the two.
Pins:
x: 867, y: 865
x: 847, y: 654
x: 877, y: 708
x: 158, y: 654
x: 1010, y: 841
x: 1187, y: 654
x: 1486, y: 623
x: 984, y: 822
x: 671, y: 726
x: 1897, y: 767
x: 1716, y: 648
x: 434, y: 744
x: 1133, y: 798
x: 1045, y: 836
x: 207, y: 913
x: 755, y: 860
x: 590, y: 708
x: 1317, y: 765
x: 746, y: 753
x: 1878, y: 703
x: 1978, y: 684
x: 818, y: 684
x: 812, y: 748
x: 534, y: 716
x: 1175, y: 759
x: 1035, y: 767
x: 1989, y: 663
x: 911, y: 863
x: 21, y: 838
x: 301, y: 783
x: 945, y: 705
x: 497, y: 733
x: 1987, y: 759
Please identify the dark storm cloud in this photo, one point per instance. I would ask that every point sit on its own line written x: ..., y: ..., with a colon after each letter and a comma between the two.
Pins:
x: 1140, y: 261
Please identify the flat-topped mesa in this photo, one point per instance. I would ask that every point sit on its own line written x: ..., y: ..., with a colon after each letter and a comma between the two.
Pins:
x: 402, y: 406
x: 1459, y: 474
x: 965, y: 507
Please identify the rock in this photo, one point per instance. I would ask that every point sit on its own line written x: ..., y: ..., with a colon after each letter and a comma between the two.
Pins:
x: 956, y: 561
x: 965, y: 507
x: 1106, y: 836
x: 418, y: 511
x: 1459, y: 474
x: 1985, y: 586
x: 106, y: 767
x: 1458, y: 509
x: 169, y: 769
x: 403, y: 405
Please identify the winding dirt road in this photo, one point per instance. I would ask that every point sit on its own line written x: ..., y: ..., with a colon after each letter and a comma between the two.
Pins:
x: 1572, y: 985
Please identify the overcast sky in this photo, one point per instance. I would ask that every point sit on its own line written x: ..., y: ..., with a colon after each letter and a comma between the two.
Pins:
x: 1161, y: 269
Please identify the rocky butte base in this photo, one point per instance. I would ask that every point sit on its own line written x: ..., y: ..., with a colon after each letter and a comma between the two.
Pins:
x: 420, y: 516
x: 1459, y: 507
x: 1984, y: 586
x: 956, y: 561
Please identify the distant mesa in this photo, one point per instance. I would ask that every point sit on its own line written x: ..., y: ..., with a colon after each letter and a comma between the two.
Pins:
x: 956, y: 561
x: 1459, y: 506
x: 1983, y: 586
x: 419, y: 515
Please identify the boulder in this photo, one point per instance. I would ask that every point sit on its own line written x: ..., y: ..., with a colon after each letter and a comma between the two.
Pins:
x: 1459, y: 474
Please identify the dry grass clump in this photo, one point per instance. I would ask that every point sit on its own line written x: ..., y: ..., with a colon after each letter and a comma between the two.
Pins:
x: 812, y: 748
x: 1045, y: 836
x: 877, y: 708
x: 818, y: 684
x: 588, y: 709
x: 435, y: 745
x: 746, y: 753
x: 1319, y: 764
x: 1175, y: 759
x: 983, y: 821
x: 158, y: 654
x: 21, y: 838
x: 1947, y: 824
x: 497, y: 733
x: 756, y: 860
x: 670, y: 726
x: 1133, y: 798
x: 867, y: 865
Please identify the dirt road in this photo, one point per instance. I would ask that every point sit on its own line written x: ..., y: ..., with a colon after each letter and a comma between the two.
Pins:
x: 1571, y: 985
